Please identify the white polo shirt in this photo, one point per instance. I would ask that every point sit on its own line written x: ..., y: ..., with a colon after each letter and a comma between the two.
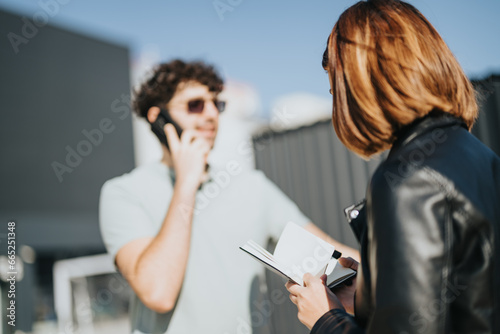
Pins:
x: 231, y: 208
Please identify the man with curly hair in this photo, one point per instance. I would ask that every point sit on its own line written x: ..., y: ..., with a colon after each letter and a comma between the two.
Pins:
x: 176, y: 245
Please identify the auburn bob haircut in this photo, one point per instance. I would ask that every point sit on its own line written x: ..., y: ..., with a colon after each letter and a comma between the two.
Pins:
x: 388, y: 66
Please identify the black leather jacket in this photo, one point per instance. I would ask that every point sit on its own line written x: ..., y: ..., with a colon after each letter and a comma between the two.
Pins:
x: 429, y: 235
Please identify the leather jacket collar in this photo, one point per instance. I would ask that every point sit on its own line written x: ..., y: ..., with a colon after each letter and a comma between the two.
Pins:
x: 422, y: 125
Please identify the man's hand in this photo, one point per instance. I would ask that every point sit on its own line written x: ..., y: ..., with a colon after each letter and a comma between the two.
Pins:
x: 189, y: 154
x: 344, y: 292
x: 158, y: 282
x: 313, y: 299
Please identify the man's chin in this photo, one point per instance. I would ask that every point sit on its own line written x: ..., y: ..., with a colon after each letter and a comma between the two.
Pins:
x: 211, y: 142
x: 209, y: 138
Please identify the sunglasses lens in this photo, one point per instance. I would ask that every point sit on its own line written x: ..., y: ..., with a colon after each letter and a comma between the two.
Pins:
x: 196, y: 106
x: 221, y: 105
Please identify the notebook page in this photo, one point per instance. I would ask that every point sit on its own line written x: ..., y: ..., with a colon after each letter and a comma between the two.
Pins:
x: 302, y: 251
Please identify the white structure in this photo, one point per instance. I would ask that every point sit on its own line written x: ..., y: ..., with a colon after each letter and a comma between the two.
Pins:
x: 294, y: 110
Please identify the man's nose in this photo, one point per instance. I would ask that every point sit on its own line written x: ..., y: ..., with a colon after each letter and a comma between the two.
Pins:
x: 211, y: 110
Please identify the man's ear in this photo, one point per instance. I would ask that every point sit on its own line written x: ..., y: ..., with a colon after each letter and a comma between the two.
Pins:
x: 152, y: 114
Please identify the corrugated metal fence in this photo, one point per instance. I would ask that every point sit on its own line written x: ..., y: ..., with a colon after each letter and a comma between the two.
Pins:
x: 487, y: 127
x: 316, y: 171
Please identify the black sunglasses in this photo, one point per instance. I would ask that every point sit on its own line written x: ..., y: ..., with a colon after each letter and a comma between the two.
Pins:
x: 197, y: 106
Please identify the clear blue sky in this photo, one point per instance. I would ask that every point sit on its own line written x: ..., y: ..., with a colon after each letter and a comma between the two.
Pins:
x: 274, y: 45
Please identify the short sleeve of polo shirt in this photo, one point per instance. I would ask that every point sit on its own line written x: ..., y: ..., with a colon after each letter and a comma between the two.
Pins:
x: 121, y: 217
x: 280, y: 209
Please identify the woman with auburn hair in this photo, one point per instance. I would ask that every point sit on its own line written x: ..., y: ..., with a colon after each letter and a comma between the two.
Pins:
x: 429, y: 228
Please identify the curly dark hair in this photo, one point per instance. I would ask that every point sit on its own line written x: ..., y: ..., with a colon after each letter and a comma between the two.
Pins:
x: 161, y: 86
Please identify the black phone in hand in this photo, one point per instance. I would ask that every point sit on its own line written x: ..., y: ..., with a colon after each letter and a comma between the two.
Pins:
x: 158, y: 126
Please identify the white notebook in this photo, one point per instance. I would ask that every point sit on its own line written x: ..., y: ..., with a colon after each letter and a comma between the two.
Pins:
x: 298, y: 251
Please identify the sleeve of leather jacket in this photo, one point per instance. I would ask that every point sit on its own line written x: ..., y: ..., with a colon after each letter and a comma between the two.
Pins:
x: 336, y: 321
x: 408, y: 256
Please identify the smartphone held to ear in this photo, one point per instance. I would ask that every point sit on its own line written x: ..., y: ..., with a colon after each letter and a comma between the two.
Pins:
x: 158, y: 126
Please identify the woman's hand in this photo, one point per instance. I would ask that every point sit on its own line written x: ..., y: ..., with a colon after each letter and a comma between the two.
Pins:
x: 345, y: 292
x: 313, y: 299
